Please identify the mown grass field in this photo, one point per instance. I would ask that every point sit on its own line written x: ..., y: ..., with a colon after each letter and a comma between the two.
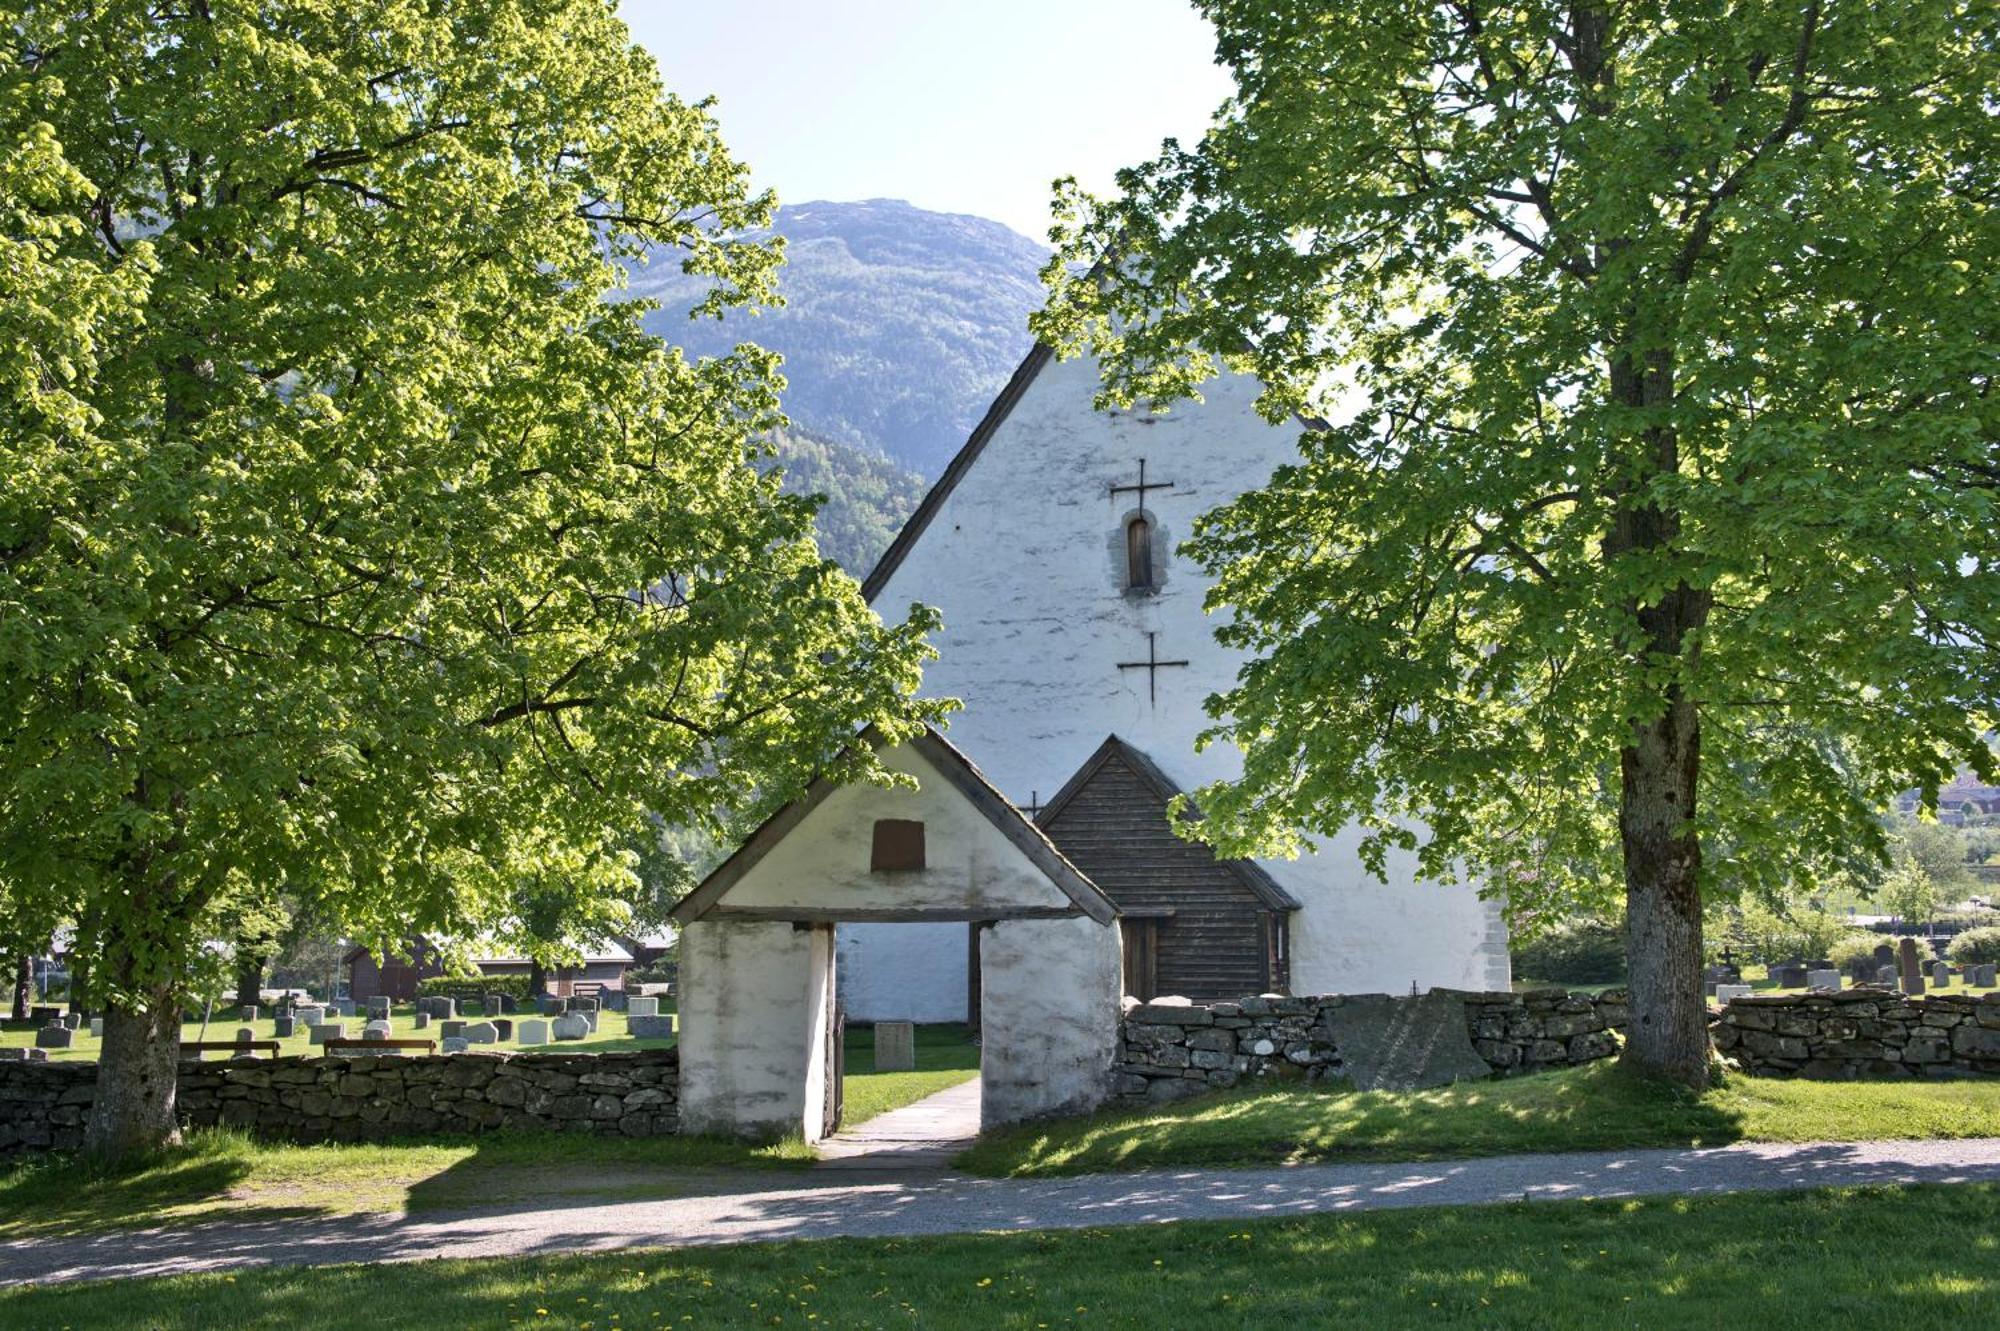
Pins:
x: 1808, y: 1260
x: 1595, y: 1107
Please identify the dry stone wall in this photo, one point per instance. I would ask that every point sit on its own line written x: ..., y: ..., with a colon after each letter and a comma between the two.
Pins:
x: 1170, y: 1048
x: 637, y: 1094
x: 1864, y: 1032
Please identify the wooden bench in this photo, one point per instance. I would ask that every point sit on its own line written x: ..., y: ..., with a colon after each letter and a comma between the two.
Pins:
x: 428, y: 1046
x: 200, y: 1047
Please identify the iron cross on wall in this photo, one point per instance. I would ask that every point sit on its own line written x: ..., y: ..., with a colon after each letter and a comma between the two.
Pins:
x: 1152, y: 665
x: 1141, y: 488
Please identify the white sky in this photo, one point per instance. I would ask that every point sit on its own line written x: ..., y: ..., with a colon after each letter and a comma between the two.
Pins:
x: 969, y: 106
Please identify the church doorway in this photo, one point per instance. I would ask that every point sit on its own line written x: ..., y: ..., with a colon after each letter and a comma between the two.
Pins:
x: 765, y: 1050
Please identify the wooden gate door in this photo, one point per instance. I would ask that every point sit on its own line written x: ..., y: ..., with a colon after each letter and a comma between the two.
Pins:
x: 836, y: 1071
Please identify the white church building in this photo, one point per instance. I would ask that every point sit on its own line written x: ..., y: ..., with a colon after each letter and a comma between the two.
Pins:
x: 1077, y: 641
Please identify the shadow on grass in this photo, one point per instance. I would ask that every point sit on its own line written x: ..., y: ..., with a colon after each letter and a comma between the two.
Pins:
x: 1591, y: 1108
x: 66, y: 1193
x: 545, y: 1170
x: 1802, y: 1259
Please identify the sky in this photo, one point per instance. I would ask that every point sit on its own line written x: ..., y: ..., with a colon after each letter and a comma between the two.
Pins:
x: 966, y: 106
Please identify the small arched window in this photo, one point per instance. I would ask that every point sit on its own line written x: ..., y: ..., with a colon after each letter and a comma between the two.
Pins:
x: 1139, y: 555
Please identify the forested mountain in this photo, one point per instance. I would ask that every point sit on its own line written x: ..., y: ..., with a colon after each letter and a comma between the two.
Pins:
x: 900, y: 325
x: 867, y: 495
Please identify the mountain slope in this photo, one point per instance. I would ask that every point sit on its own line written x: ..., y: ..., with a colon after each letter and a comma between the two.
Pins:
x: 900, y: 325
x: 868, y: 497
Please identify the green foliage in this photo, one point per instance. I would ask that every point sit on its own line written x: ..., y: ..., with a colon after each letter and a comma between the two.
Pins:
x: 356, y: 546
x: 1586, y: 951
x: 474, y: 989
x: 1978, y: 946
x: 1853, y: 953
x: 1653, y: 348
x: 1755, y: 929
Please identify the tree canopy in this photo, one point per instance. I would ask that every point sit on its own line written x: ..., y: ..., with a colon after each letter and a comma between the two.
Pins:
x: 354, y: 544
x: 1644, y: 527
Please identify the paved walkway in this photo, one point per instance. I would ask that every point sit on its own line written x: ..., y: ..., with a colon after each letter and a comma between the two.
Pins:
x: 924, y: 1135
x: 816, y: 1205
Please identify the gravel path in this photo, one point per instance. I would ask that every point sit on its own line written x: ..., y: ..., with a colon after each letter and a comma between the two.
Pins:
x: 823, y: 1205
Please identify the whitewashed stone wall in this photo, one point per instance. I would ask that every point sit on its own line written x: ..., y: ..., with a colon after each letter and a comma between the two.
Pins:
x: 1026, y: 560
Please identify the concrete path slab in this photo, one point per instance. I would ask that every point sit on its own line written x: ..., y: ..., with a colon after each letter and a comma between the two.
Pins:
x: 811, y: 1205
x: 924, y: 1135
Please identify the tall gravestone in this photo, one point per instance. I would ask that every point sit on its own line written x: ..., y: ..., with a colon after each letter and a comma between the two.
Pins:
x: 895, y: 1046
x: 1906, y: 965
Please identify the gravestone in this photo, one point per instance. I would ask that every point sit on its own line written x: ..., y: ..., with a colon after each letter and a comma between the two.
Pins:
x: 616, y: 1001
x: 642, y: 1007
x: 97, y: 1027
x: 454, y: 1044
x: 571, y: 1026
x: 423, y: 1020
x: 534, y: 1031
x: 377, y: 1030
x: 503, y: 1027
x: 1886, y: 976
x: 496, y: 1004
x: 283, y: 1027
x: 1725, y: 994
x: 480, y: 1032
x: 344, y: 1006
x: 1404, y: 1044
x: 1885, y: 955
x: 73, y: 1020
x: 322, y: 1031
x: 1826, y: 979
x: 550, y: 1005
x: 249, y: 1012
x: 1906, y: 967
x: 55, y: 1036
x: 378, y: 1007
x: 441, y: 1008
x: 1941, y: 975
x: 650, y: 1028
x: 451, y: 1029
x: 583, y: 1005
x: 1789, y: 975
x: 310, y: 1017
x: 1984, y: 975
x: 244, y: 1035
x: 42, y: 1016
x: 15, y: 1054
x: 895, y: 1046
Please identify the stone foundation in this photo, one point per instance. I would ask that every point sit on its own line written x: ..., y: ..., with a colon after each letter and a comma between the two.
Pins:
x: 637, y: 1094
x: 1171, y: 1048
x: 1864, y: 1032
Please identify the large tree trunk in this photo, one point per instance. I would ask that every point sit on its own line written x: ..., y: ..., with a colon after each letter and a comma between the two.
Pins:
x: 24, y: 985
x: 249, y: 982
x: 134, y: 1109
x: 1667, y: 1034
x: 538, y: 978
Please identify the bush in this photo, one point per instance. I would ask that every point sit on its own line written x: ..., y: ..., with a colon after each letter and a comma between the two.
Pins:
x: 475, y: 988
x: 1854, y: 952
x: 1578, y: 952
x: 1977, y: 946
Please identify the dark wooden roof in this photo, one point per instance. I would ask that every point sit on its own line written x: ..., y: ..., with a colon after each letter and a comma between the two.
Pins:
x: 946, y: 759
x: 1252, y: 875
x: 996, y: 415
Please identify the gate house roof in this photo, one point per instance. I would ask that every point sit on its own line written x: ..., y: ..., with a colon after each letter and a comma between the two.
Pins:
x: 961, y: 783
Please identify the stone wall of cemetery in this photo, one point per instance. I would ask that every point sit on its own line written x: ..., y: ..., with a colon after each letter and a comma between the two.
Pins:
x: 1867, y: 1031
x: 1171, y: 1048
x: 43, y: 1105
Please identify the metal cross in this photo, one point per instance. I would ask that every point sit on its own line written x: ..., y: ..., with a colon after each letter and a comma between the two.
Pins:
x: 1143, y: 486
x: 1033, y: 808
x: 1152, y: 665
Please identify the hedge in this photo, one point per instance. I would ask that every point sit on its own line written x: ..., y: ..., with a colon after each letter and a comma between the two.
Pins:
x: 1580, y: 952
x: 477, y: 987
x: 1976, y: 946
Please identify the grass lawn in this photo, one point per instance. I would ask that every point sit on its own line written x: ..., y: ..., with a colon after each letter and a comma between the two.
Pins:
x: 608, y: 1038
x: 222, y: 1175
x: 946, y: 1056
x: 1598, y: 1106
x: 1920, y: 1257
